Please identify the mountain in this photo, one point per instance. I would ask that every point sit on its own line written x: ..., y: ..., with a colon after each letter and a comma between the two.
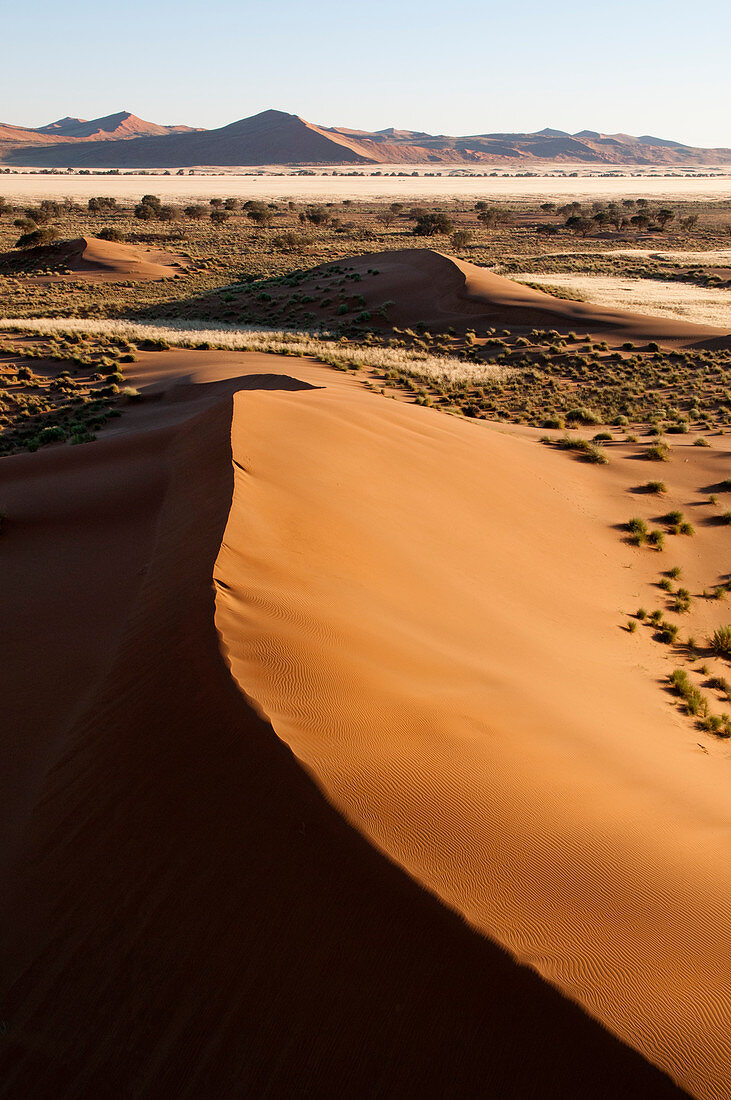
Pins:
x: 277, y: 138
x: 122, y: 126
x: 119, y: 126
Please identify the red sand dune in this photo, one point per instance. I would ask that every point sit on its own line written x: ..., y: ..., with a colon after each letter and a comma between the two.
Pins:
x: 95, y: 260
x: 187, y: 914
x: 423, y: 285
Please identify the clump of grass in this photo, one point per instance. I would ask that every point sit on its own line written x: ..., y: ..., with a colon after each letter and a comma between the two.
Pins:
x: 720, y: 642
x: 638, y: 531
x: 654, y: 487
x: 682, y: 601
x: 667, y: 633
x: 718, y: 724
x: 658, y: 452
x: 720, y: 683
x: 588, y: 451
x: 695, y: 701
x: 631, y: 626
x: 656, y: 539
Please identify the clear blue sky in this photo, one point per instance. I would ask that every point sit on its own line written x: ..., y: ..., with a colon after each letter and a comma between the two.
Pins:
x: 467, y: 66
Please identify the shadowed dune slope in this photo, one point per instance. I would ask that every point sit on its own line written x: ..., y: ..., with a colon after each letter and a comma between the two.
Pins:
x: 421, y: 285
x: 428, y: 611
x: 186, y: 915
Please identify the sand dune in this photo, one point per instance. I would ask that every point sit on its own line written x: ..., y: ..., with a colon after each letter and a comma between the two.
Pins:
x: 185, y: 914
x: 422, y: 286
x: 429, y: 613
x: 96, y: 260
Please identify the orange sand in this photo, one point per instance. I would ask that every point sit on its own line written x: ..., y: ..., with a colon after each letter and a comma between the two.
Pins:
x: 426, y: 609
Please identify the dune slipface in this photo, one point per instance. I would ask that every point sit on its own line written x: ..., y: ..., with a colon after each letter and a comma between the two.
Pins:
x: 185, y: 913
x: 426, y: 610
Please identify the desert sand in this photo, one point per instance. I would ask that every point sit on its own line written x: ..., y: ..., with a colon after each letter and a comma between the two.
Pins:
x: 325, y: 726
x: 186, y: 913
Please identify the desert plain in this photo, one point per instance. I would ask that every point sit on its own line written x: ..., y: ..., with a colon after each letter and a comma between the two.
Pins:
x: 367, y: 639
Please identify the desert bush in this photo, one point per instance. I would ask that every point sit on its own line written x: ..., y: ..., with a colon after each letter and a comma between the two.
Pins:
x: 102, y: 204
x: 109, y: 233
x: 37, y: 237
x: 460, y: 238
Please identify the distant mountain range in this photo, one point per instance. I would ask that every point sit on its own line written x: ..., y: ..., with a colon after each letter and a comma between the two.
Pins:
x: 273, y: 137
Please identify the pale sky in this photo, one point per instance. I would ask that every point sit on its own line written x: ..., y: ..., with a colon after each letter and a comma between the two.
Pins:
x: 655, y: 67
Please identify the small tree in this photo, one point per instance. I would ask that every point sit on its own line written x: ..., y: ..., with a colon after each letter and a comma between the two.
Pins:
x: 148, y: 208
x: 489, y: 216
x: 664, y: 216
x: 195, y: 211
x: 460, y: 238
x: 582, y: 227
x: 316, y: 215
x: 259, y: 213
x: 429, y: 225
x: 218, y: 217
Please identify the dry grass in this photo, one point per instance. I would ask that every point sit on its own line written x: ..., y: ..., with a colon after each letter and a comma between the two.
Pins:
x: 701, y: 305
x: 439, y: 370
